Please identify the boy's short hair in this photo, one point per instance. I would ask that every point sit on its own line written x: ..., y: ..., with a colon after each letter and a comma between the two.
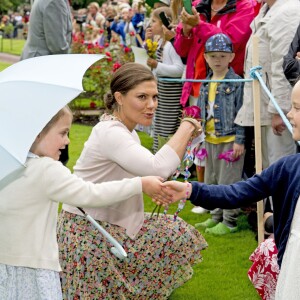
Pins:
x: 219, y: 42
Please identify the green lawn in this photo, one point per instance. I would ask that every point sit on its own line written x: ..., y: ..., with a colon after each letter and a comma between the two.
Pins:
x: 3, y: 65
x: 223, y: 273
x: 12, y: 46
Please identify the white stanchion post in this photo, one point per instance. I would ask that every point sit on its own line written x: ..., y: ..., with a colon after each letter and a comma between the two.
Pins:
x: 257, y: 136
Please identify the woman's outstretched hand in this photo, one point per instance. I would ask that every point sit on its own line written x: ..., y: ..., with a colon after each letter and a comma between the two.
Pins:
x: 153, y: 187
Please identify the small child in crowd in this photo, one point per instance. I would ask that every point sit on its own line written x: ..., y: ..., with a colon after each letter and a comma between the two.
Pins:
x: 224, y: 142
x: 167, y: 63
x: 281, y: 181
x: 29, y: 264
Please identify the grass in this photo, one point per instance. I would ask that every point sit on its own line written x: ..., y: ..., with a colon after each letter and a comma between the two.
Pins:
x: 3, y: 65
x: 12, y: 46
x: 223, y: 273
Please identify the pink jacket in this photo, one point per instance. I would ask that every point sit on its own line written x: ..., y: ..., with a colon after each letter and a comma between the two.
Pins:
x: 234, y: 20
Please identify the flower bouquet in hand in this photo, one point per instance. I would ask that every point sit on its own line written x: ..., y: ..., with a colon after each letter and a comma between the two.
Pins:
x: 151, y: 48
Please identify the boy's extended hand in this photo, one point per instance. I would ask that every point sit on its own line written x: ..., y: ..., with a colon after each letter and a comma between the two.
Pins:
x: 178, y: 190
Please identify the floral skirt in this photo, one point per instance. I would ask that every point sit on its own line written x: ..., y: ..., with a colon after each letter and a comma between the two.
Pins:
x: 159, y: 260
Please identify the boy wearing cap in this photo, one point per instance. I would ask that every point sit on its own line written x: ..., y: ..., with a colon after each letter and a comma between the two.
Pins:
x: 224, y: 142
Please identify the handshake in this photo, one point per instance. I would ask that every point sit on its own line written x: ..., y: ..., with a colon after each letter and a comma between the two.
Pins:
x: 165, y: 192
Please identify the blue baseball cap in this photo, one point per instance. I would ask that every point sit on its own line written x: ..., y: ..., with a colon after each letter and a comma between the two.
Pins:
x: 219, y: 42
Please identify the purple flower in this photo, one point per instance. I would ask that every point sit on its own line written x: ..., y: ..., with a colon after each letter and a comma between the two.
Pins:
x: 191, y: 111
x: 228, y: 156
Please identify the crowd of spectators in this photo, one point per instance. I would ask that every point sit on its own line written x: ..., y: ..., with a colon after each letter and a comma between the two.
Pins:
x: 14, y: 25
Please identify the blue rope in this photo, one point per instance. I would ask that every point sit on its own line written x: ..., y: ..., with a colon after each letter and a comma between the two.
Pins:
x: 253, y: 71
x: 257, y: 75
x: 204, y: 80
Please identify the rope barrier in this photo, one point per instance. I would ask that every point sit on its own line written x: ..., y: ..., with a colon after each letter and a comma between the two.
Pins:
x: 203, y: 80
x: 254, y: 75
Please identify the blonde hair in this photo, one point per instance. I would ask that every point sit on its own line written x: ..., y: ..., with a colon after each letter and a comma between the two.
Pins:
x: 94, y: 4
x: 168, y: 13
x: 61, y: 113
x: 176, y: 6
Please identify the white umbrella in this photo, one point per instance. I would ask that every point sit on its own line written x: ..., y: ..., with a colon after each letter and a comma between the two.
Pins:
x: 32, y: 92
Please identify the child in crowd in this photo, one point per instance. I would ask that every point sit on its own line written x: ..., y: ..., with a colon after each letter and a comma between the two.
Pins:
x: 224, y: 142
x: 29, y: 264
x: 166, y: 64
x: 281, y: 181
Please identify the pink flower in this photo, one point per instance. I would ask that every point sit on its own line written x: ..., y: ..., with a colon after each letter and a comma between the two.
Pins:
x: 101, y: 31
x: 108, y: 54
x: 116, y: 66
x: 127, y: 49
x: 201, y: 154
x: 191, y: 111
x: 131, y: 33
x: 228, y: 156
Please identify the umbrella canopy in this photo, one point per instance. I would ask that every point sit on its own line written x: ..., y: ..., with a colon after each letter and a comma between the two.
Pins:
x: 32, y: 91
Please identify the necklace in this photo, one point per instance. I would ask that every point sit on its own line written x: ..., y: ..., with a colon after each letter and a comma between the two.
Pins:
x: 110, y: 117
x: 217, y: 10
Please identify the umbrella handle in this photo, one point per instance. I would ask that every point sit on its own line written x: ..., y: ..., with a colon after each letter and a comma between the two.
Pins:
x: 117, y: 250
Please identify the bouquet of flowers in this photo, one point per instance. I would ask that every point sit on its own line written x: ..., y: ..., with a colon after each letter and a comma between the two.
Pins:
x: 151, y: 48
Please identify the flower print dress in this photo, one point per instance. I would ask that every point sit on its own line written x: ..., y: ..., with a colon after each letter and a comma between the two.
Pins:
x: 264, y: 271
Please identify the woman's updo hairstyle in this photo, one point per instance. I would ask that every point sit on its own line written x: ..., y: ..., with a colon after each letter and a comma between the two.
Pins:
x: 126, y: 78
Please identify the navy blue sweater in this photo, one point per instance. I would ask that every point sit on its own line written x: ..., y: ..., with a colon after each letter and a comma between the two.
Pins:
x: 281, y: 181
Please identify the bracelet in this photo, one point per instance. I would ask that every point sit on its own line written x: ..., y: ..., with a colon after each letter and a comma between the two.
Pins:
x: 188, y: 190
x: 198, y: 128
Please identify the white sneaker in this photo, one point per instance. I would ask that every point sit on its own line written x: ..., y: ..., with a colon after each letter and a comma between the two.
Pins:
x: 199, y: 210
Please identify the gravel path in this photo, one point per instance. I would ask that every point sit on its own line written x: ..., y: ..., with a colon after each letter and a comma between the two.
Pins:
x: 9, y: 58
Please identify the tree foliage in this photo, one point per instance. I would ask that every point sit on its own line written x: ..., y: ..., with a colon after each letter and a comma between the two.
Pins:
x: 76, y: 4
x: 6, y: 5
x: 12, y: 5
